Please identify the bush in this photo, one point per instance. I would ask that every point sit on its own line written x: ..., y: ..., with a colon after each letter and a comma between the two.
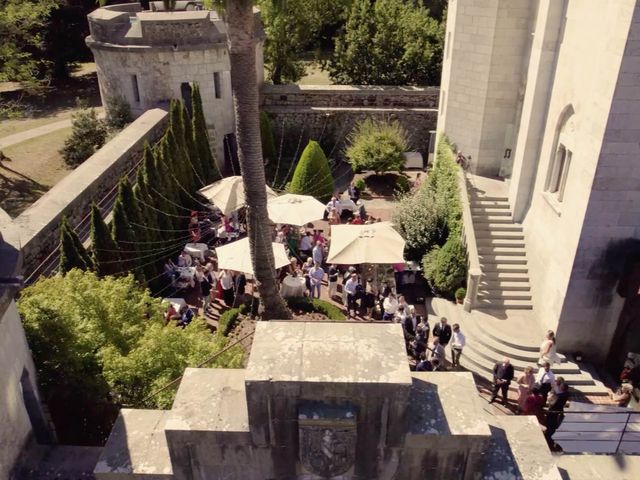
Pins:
x: 361, y: 185
x: 422, y: 221
x: 310, y: 305
x: 88, y: 134
x: 461, y: 293
x: 402, y: 185
x: 118, y: 113
x: 377, y: 145
x: 228, y: 320
x: 268, y: 142
x: 445, y: 269
x: 312, y: 175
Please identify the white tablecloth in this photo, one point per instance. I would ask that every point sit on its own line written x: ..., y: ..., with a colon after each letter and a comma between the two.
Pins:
x: 186, y: 273
x: 178, y: 303
x: 196, y: 250
x: 293, y: 287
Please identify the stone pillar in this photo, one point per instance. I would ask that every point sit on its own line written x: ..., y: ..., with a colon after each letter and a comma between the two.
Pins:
x: 541, y: 71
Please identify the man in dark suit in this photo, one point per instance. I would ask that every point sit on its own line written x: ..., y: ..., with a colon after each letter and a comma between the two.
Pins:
x: 442, y: 330
x: 502, y: 376
x: 555, y: 415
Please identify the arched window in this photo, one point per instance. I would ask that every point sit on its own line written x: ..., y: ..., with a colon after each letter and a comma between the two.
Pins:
x: 560, y: 163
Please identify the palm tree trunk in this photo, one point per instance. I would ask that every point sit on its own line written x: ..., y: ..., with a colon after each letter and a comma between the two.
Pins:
x: 242, y: 55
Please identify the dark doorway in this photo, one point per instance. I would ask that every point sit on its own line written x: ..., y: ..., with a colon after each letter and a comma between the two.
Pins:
x: 34, y: 410
x: 185, y: 92
x: 231, y: 163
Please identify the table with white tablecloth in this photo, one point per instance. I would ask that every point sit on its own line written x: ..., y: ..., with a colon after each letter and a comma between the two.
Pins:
x: 293, y: 287
x: 196, y: 250
x: 186, y: 276
x: 178, y: 303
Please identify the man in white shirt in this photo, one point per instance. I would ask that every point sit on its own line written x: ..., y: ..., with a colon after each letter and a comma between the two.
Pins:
x: 350, y: 288
x: 545, y: 378
x: 390, y: 307
x: 316, y: 274
x: 306, y: 244
x: 458, y: 341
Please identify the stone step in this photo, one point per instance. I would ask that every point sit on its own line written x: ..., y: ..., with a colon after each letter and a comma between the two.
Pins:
x: 496, y: 294
x: 478, y: 335
x: 496, y: 229
x: 495, y: 250
x: 491, y: 219
x: 489, y: 204
x: 475, y: 211
x: 502, y: 304
x: 476, y: 195
x: 510, y: 242
x: 504, y: 275
x: 489, y: 258
x: 503, y: 267
x: 522, y: 286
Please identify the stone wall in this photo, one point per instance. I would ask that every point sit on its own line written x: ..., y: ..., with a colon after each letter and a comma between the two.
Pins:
x: 38, y: 226
x: 329, y: 113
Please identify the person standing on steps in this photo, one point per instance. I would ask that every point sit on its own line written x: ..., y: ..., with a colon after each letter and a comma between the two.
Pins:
x: 548, y: 349
x: 545, y: 379
x: 442, y: 330
x: 502, y: 376
x: 458, y: 341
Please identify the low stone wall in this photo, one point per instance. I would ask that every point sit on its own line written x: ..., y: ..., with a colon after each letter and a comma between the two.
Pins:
x: 329, y: 113
x: 38, y: 226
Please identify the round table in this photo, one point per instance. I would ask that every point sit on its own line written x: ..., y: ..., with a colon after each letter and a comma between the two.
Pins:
x: 293, y: 287
x: 196, y: 250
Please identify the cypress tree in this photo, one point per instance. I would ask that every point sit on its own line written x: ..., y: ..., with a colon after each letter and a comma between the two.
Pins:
x: 173, y: 192
x: 136, y: 220
x: 123, y: 235
x: 192, y: 154
x: 201, y: 139
x: 147, y: 205
x: 72, y: 252
x: 177, y: 164
x: 104, y: 250
x: 312, y: 175
x: 269, y: 154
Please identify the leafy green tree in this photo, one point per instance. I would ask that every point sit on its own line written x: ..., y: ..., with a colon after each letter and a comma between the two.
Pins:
x: 104, y: 251
x: 388, y: 42
x: 377, y: 145
x: 118, y: 113
x: 22, y: 25
x: 72, y: 252
x: 104, y: 338
x: 266, y: 136
x: 88, y: 134
x: 312, y: 175
x: 445, y: 269
x: 201, y: 139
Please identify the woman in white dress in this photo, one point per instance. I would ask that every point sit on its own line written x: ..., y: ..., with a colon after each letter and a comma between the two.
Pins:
x: 548, y: 349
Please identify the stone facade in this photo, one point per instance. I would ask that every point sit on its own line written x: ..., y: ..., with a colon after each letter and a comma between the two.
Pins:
x: 148, y: 58
x: 327, y: 114
x: 21, y: 415
x: 322, y: 400
x: 555, y: 107
x: 97, y: 177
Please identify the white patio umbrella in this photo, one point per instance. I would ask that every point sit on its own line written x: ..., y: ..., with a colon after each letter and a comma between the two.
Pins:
x: 228, y: 194
x: 294, y: 209
x: 356, y: 244
x: 237, y: 256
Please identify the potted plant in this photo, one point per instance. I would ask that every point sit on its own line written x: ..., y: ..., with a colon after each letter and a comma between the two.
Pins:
x: 460, y: 294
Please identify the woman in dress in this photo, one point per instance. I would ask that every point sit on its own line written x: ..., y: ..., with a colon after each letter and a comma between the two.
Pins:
x: 525, y: 382
x: 333, y: 218
x: 548, y: 349
x: 225, y: 280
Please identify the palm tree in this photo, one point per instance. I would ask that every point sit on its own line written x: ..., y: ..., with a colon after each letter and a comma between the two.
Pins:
x: 242, y: 55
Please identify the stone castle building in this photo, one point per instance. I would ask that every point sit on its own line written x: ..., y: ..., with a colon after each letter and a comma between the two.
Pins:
x: 147, y: 58
x: 546, y: 94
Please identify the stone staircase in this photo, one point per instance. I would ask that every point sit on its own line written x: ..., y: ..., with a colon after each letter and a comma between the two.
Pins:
x: 501, y: 250
x: 488, y: 342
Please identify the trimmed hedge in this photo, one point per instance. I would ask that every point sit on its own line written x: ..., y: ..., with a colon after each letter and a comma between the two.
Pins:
x: 228, y: 320
x: 313, y: 175
x: 311, y: 305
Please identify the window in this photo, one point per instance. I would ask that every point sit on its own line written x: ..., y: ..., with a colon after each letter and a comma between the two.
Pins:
x: 136, y: 90
x: 217, y: 87
x: 560, y: 163
x: 559, y: 172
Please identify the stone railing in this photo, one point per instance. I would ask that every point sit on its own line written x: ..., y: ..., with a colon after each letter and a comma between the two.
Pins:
x: 94, y: 180
x: 469, y: 240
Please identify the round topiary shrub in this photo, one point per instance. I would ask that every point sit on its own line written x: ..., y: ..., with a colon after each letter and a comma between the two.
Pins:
x: 312, y: 175
x: 445, y: 269
x: 377, y: 145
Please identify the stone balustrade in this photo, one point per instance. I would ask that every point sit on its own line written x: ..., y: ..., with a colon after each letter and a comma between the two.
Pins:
x: 474, y: 272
